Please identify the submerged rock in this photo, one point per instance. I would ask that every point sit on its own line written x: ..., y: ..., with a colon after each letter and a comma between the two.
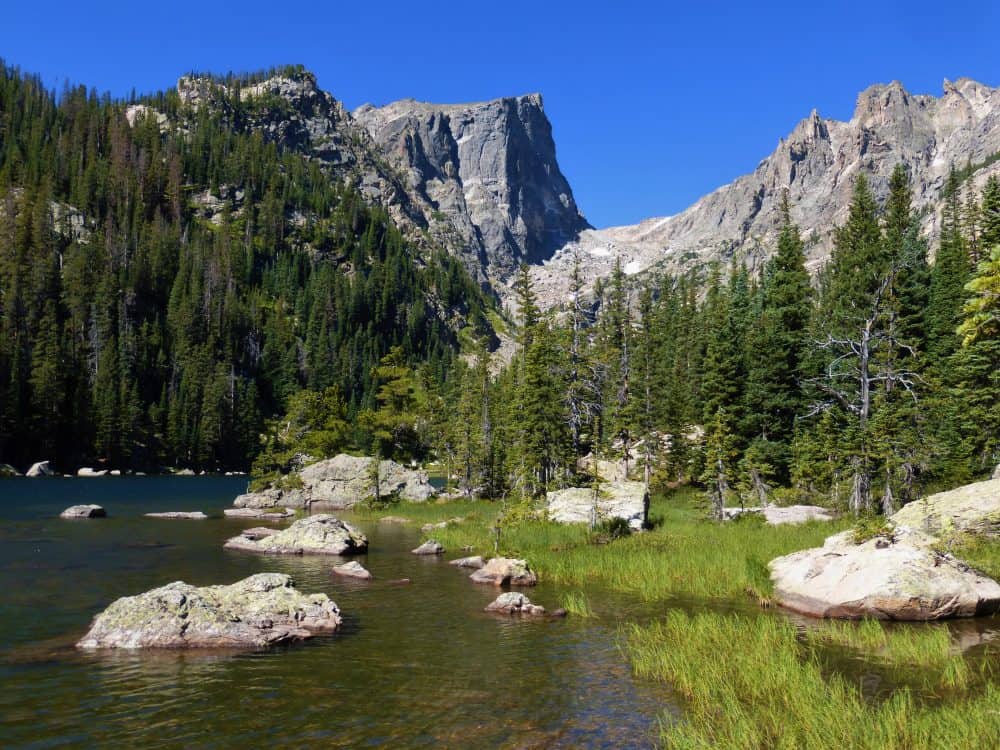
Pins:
x: 196, y: 515
x: 504, y: 570
x: 514, y: 603
x: 902, y: 578
x: 84, y: 511
x: 273, y: 514
x: 626, y: 500
x: 342, y: 482
x: 316, y: 535
x: 430, y: 547
x: 476, y: 562
x: 973, y: 508
x: 353, y: 569
x: 258, y: 611
x: 40, y: 469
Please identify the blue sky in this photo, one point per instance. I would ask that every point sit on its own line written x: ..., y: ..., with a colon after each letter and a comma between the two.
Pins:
x: 652, y: 104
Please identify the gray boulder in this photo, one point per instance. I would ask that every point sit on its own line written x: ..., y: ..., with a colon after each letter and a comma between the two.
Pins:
x: 196, y: 515
x: 973, y: 508
x: 902, y: 578
x: 342, y: 482
x: 316, y: 535
x: 40, y: 469
x: 514, y: 603
x: 430, y: 547
x: 626, y: 500
x: 353, y: 569
x: 84, y: 511
x: 500, y: 571
x: 265, y: 514
x: 475, y: 562
x: 259, y: 611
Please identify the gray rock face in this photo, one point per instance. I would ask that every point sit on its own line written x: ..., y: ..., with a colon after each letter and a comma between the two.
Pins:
x: 475, y: 562
x: 84, y: 511
x: 625, y: 500
x: 500, y: 571
x: 430, y: 547
x: 817, y: 162
x: 259, y: 611
x: 899, y: 579
x: 316, y: 535
x: 513, y: 603
x: 973, y: 508
x: 490, y: 172
x: 342, y: 482
x: 179, y: 515
x: 353, y: 569
x: 40, y: 469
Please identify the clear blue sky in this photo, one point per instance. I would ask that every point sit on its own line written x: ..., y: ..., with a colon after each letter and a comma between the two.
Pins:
x: 652, y: 104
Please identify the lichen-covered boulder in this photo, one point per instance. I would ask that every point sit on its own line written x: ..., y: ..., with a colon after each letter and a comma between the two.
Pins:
x: 430, y: 547
x: 256, y: 612
x: 514, y: 603
x: 500, y: 571
x: 973, y: 508
x: 902, y: 578
x: 626, y: 500
x: 84, y: 511
x: 316, y: 535
x: 353, y: 569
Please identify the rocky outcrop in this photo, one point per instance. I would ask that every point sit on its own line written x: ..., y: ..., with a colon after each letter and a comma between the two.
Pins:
x: 196, y: 515
x: 84, y: 511
x: 39, y: 469
x: 259, y: 611
x: 626, y: 500
x: 902, y: 578
x: 342, y: 482
x: 817, y: 163
x: 430, y: 547
x: 514, y: 603
x: 973, y: 508
x: 261, y: 514
x: 501, y: 571
x: 475, y: 562
x: 353, y: 569
x: 490, y: 172
x: 316, y: 535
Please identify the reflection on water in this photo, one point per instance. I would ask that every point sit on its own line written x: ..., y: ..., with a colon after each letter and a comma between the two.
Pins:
x: 417, y: 665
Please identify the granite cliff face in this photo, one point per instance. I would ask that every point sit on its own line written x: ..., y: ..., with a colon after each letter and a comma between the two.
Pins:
x: 490, y: 171
x: 817, y: 163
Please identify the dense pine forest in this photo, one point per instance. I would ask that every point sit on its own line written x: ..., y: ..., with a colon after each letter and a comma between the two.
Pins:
x: 140, y: 331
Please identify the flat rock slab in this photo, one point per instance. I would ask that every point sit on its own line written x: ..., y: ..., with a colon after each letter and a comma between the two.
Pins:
x: 258, y: 532
x: 321, y: 534
x: 514, y: 603
x: 500, y: 571
x: 353, y: 569
x: 899, y: 579
x: 430, y: 547
x: 476, y: 562
x: 84, y: 511
x: 973, y: 508
x: 196, y: 515
x: 628, y: 501
x: 264, y: 514
x: 259, y: 611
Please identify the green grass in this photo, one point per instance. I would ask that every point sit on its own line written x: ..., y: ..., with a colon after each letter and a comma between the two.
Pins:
x: 755, y: 682
x: 577, y: 603
x: 981, y: 553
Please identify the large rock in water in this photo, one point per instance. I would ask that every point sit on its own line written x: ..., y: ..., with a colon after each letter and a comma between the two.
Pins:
x: 258, y: 611
x: 40, y: 469
x: 513, y: 603
x: 504, y: 570
x: 316, y: 535
x: 899, y: 579
x: 974, y: 508
x: 342, y: 482
x: 84, y: 511
x: 626, y: 500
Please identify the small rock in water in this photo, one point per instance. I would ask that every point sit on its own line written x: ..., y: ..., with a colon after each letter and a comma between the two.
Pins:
x: 475, y: 561
x: 353, y: 569
x: 430, y: 547
x: 514, y: 603
x: 504, y: 570
x: 321, y: 534
x: 179, y: 514
x: 266, y: 514
x: 86, y: 471
x: 84, y: 511
x: 40, y: 469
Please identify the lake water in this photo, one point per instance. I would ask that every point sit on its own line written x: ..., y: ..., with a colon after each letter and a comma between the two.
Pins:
x: 414, y: 666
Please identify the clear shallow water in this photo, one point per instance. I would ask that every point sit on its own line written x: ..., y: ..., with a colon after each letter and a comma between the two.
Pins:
x: 415, y: 666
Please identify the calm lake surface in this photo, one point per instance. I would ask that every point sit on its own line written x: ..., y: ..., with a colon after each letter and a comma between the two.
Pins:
x: 414, y: 666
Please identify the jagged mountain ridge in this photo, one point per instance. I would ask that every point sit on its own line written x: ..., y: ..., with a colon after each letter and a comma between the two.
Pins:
x: 817, y: 163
